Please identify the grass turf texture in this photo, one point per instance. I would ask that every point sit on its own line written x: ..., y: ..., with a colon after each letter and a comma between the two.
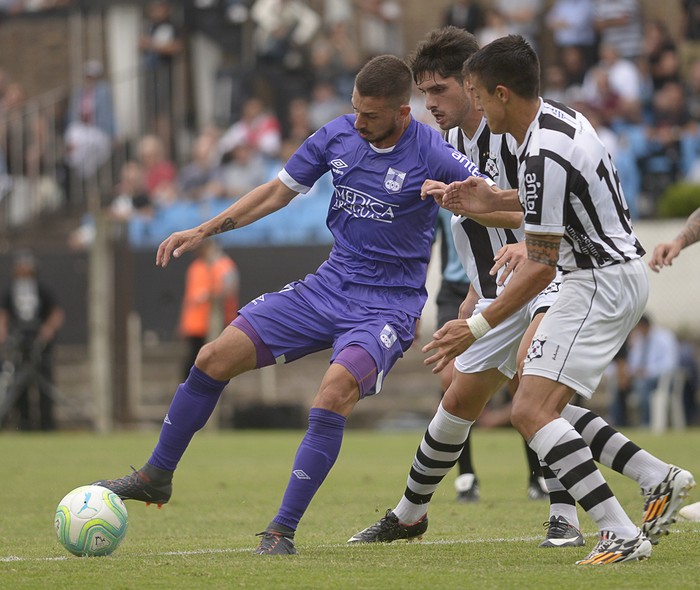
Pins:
x: 229, y: 485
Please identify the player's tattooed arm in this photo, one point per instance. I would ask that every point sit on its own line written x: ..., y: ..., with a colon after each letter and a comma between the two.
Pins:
x: 226, y: 225
x: 543, y: 249
x: 665, y: 252
x: 691, y: 231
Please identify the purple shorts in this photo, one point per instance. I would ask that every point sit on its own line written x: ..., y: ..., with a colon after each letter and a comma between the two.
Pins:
x: 306, y: 317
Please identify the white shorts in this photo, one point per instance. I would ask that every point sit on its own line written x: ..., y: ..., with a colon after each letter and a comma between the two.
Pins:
x: 498, y: 348
x: 584, y: 329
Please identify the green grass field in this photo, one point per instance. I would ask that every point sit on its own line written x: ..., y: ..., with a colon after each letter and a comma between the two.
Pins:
x: 229, y: 485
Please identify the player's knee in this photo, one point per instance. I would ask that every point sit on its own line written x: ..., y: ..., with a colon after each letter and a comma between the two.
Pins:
x: 220, y: 361
x: 521, y: 415
x: 337, y: 397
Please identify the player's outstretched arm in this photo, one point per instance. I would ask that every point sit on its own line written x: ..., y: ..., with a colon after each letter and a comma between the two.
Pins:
x: 665, y: 252
x: 507, y: 219
x: 261, y: 201
x: 475, y: 196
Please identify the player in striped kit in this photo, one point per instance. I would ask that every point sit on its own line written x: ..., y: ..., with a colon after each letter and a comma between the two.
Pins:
x: 576, y: 219
x: 437, y: 69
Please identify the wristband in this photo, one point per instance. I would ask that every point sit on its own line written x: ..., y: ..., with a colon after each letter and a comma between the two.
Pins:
x: 478, y: 325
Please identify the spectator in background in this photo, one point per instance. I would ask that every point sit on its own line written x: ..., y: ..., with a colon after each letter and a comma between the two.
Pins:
x: 157, y: 169
x: 620, y: 386
x: 284, y: 32
x: 197, y: 177
x: 573, y: 60
x: 92, y: 102
x: 210, y: 301
x: 689, y: 363
x: 160, y: 45
x: 90, y: 126
x: 554, y: 83
x: 244, y: 169
x: 692, y: 89
x: 299, y: 126
x: 326, y: 105
x: 380, y: 27
x: 130, y: 199
x: 464, y: 14
x: 664, y: 254
x: 661, y: 57
x: 335, y: 57
x: 30, y: 318
x: 523, y: 17
x: 614, y: 86
x: 337, y: 11
x: 653, y: 353
x: 130, y: 193
x: 571, y: 23
x: 257, y: 127
x: 670, y: 124
x: 496, y: 25
x: 619, y: 23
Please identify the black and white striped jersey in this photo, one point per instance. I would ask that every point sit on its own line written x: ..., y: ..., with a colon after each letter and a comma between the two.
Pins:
x: 476, y: 244
x: 568, y: 186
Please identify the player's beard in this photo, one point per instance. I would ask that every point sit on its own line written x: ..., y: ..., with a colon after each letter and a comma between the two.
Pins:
x: 378, y: 138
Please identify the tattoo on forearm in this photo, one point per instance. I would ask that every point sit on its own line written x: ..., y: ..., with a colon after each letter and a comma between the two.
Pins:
x: 691, y: 231
x: 542, y: 251
x: 227, y: 225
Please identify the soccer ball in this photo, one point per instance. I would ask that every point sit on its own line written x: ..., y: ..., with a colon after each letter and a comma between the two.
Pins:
x: 91, y: 521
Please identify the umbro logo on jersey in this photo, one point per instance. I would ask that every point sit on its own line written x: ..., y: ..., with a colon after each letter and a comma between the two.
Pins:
x: 167, y: 420
x: 300, y: 474
x: 338, y: 166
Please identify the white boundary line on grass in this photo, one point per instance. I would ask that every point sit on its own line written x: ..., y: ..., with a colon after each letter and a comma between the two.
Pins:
x: 15, y: 558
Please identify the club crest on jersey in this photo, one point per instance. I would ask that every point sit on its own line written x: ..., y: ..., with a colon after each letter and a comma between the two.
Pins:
x: 388, y: 336
x: 490, y: 166
x: 393, y: 181
x: 536, y: 350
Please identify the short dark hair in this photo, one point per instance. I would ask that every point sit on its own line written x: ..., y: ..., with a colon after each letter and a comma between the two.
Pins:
x: 385, y: 76
x: 444, y: 52
x: 508, y: 61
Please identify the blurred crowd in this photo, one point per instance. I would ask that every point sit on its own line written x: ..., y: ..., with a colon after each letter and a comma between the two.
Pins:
x: 636, y: 78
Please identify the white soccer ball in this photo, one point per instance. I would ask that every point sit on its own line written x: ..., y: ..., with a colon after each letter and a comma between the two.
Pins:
x: 690, y: 512
x: 91, y: 521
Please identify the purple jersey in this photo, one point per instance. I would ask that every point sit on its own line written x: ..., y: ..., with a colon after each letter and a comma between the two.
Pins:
x: 382, y: 229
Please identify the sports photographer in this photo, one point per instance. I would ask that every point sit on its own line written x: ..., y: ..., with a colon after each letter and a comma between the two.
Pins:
x: 29, y: 320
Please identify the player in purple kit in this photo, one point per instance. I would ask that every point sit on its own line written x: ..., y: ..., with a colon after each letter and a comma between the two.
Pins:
x: 363, y: 302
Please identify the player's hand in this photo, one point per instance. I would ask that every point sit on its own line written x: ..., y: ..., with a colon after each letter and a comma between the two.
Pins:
x: 448, y: 343
x: 664, y: 254
x: 177, y: 244
x: 434, y: 189
x: 508, y: 258
x: 472, y: 196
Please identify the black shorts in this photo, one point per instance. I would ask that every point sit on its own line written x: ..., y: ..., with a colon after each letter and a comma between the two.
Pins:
x: 449, y: 298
